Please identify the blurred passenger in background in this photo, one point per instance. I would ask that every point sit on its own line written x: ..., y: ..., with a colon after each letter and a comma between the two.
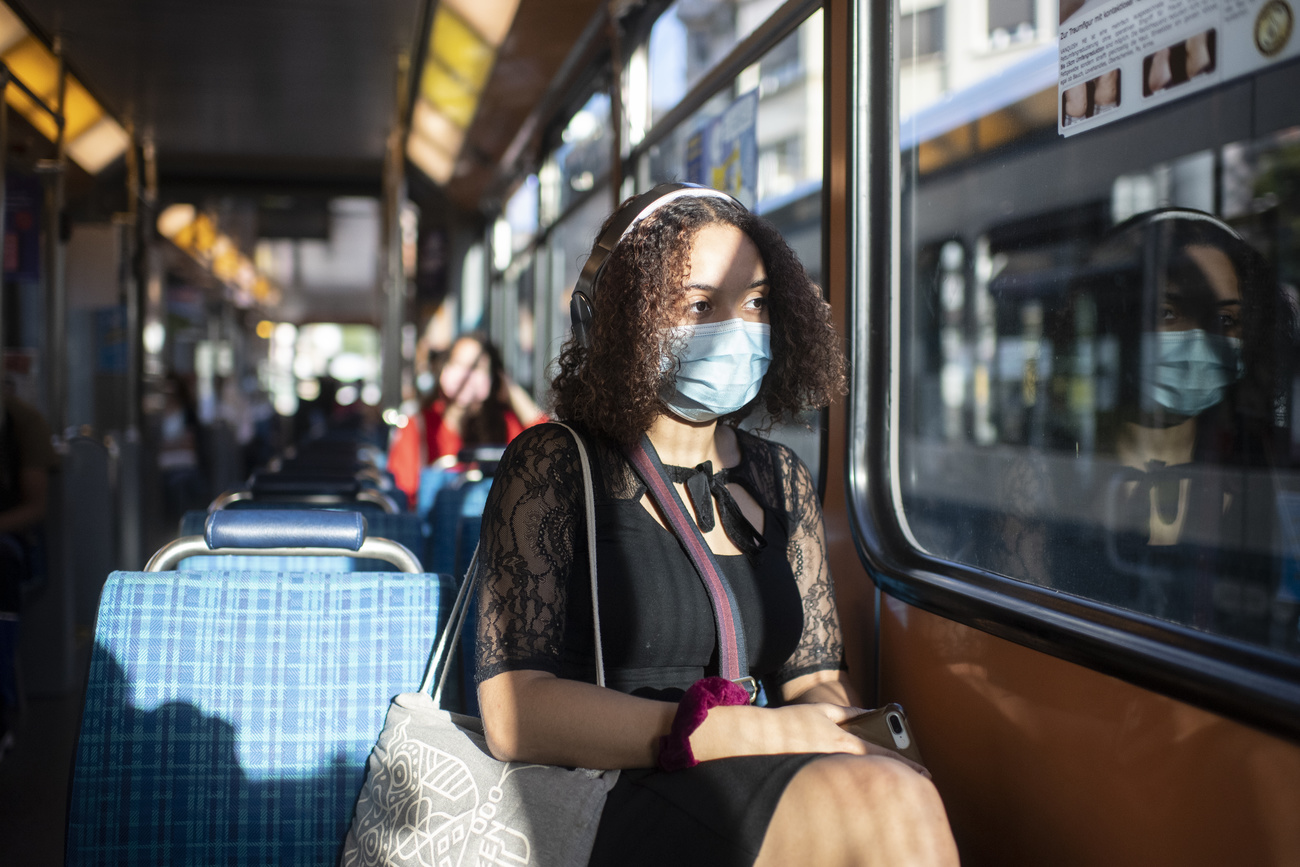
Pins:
x: 473, y: 403
x: 26, y: 458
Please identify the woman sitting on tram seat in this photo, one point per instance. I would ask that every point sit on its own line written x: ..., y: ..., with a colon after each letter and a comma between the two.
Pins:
x: 702, y: 315
x: 473, y: 403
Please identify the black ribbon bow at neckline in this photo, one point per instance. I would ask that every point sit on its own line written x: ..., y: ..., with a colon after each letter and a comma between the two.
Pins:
x: 702, y: 486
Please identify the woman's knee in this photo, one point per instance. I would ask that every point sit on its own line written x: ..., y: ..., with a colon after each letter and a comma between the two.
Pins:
x: 879, y: 784
x: 866, y: 810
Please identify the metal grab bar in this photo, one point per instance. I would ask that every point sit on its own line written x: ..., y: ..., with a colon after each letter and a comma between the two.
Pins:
x: 373, y: 548
x: 365, y: 495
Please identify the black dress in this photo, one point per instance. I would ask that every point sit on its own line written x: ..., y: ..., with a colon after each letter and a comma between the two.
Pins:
x: 657, y: 627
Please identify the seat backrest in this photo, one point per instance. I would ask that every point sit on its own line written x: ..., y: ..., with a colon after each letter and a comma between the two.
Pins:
x: 228, y: 715
x: 405, y: 528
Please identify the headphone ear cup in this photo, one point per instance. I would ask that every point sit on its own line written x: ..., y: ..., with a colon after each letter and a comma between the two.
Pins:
x: 580, y: 313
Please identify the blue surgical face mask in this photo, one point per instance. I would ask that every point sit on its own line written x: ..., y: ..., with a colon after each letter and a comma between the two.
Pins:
x: 719, y: 368
x: 1187, y: 372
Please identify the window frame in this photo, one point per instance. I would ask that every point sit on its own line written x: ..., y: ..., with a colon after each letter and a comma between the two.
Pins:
x: 1249, y: 683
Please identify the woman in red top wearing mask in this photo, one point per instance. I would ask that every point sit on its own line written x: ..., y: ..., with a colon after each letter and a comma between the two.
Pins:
x: 473, y: 404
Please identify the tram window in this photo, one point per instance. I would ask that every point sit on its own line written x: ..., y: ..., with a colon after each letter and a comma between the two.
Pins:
x: 920, y: 33
x: 1010, y: 21
x: 567, y: 247
x: 689, y: 39
x: 786, y: 128
x: 1097, y: 389
x: 583, y: 158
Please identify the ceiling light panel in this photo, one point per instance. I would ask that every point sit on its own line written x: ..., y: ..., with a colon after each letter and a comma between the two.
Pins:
x: 492, y: 19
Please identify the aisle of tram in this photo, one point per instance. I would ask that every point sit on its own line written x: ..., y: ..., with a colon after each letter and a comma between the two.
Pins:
x: 209, y: 270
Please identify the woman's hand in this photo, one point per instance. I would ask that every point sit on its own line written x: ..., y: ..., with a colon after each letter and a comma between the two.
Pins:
x: 797, y: 728
x: 800, y: 728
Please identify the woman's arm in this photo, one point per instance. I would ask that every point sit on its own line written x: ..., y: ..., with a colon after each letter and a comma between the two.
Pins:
x: 534, y: 716
x: 832, y: 687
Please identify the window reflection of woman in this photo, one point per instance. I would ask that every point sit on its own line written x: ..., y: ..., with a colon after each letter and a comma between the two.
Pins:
x: 1187, y: 518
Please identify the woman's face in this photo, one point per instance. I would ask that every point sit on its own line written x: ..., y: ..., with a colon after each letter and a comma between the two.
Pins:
x: 726, y: 278
x: 466, y: 379
x: 1220, y: 313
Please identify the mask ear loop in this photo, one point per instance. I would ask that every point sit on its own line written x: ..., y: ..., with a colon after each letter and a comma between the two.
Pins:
x: 581, y: 304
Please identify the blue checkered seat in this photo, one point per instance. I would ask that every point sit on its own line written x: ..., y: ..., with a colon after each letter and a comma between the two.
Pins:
x: 229, y: 714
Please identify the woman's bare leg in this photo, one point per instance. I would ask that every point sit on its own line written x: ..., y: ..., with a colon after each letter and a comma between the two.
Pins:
x: 858, y: 810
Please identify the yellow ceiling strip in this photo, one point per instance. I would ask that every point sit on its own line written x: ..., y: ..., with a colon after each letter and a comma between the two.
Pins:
x: 449, y: 95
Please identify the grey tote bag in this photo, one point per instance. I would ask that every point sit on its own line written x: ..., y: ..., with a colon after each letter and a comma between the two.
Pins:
x: 435, y: 797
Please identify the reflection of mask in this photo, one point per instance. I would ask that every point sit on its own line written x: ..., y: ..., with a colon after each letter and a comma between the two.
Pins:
x: 720, y: 369
x: 1187, y: 372
x: 466, y: 387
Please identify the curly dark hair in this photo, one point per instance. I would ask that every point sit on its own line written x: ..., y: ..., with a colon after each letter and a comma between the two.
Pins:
x: 614, y: 387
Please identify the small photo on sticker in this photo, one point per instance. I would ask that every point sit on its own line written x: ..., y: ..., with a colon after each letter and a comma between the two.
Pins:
x: 1179, y: 63
x: 1090, y: 98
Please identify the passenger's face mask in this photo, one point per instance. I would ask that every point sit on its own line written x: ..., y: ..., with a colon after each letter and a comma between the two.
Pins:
x: 719, y: 369
x: 1187, y: 372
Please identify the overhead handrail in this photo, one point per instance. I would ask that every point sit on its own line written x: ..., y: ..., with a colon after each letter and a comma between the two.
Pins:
x: 9, y: 78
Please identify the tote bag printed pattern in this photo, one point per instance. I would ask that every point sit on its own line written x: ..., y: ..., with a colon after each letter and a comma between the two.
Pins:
x: 434, y: 796
x: 423, y: 805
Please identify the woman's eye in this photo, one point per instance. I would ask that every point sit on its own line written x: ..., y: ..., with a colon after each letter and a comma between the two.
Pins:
x: 758, y: 302
x: 1227, y: 321
x: 1168, y: 314
x: 699, y: 306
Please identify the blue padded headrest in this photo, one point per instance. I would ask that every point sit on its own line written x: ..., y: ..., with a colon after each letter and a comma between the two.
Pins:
x: 285, y: 528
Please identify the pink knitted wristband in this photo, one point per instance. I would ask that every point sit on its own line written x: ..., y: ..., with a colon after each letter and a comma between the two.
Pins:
x: 710, y: 692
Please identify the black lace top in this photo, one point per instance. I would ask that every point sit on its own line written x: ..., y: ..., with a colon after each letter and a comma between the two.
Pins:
x: 657, y: 625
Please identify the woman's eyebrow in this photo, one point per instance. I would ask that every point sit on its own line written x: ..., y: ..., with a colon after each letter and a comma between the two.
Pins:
x: 709, y: 287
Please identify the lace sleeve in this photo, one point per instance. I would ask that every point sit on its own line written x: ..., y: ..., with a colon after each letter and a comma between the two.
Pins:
x: 531, y: 534
x: 821, y: 647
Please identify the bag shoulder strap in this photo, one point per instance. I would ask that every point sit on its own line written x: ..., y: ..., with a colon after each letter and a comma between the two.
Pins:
x: 439, y: 666
x: 733, y: 661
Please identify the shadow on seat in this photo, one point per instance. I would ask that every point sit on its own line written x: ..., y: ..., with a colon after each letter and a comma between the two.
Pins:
x: 228, y: 715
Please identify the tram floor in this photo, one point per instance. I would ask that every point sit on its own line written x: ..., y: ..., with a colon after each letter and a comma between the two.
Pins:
x: 35, y: 773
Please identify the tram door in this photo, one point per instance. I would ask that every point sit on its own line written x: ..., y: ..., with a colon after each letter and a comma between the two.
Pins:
x: 1074, y: 457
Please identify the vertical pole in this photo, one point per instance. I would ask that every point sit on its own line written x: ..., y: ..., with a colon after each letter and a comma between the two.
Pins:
x: 130, y: 538
x: 56, y: 297
x: 4, y: 201
x: 615, y: 105
x: 394, y: 276
x: 49, y: 620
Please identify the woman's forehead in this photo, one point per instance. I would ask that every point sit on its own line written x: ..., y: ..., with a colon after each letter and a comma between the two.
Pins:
x: 1217, y: 268
x: 466, y: 352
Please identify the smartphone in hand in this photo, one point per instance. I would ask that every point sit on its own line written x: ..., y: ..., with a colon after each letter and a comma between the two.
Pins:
x: 886, y: 727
